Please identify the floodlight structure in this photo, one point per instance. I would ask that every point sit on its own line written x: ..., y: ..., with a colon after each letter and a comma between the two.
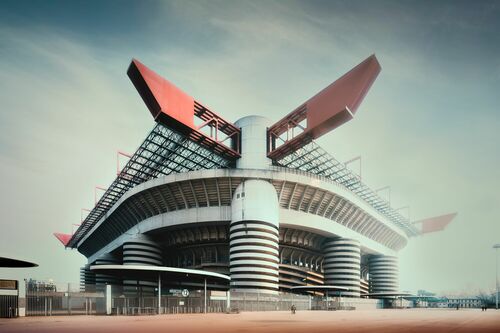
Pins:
x: 259, y: 202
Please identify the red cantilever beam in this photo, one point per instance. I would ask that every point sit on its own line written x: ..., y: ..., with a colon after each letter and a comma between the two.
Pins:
x: 63, y: 238
x: 433, y: 224
x: 175, y: 109
x: 327, y: 110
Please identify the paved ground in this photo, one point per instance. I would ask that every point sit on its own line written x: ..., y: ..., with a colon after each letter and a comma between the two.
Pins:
x: 384, y: 321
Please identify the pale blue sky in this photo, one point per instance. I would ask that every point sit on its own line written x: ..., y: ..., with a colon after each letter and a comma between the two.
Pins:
x: 430, y: 126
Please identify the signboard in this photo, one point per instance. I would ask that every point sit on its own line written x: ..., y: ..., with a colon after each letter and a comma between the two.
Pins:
x: 217, y: 295
x: 179, y: 292
x: 8, y: 284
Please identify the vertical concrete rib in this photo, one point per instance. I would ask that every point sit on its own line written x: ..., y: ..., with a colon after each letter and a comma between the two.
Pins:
x: 342, y: 264
x: 383, y: 274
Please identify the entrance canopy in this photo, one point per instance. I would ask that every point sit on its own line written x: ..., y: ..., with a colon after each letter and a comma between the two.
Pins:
x: 15, y: 263
x: 167, y: 274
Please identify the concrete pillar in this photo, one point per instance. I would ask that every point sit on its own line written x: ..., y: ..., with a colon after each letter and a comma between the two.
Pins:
x: 342, y: 264
x: 87, y: 279
x: 253, y: 143
x: 141, y: 250
x: 383, y: 274
x: 101, y: 280
x: 254, y: 237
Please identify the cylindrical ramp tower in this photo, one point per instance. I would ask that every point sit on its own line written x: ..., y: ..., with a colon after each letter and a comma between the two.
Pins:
x: 342, y: 264
x: 142, y: 251
x: 383, y: 274
x: 101, y: 280
x: 254, y: 237
x: 87, y: 279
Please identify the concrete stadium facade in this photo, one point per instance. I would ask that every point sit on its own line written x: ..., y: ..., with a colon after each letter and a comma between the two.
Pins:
x: 256, y: 203
x: 269, y: 228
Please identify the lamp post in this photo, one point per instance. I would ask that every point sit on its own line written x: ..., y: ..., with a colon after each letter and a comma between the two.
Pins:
x: 496, y: 247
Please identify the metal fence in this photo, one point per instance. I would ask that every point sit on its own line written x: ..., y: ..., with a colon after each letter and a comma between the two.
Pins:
x: 252, y: 301
x: 49, y: 299
x: 283, y: 302
x: 169, y: 305
x: 8, y: 306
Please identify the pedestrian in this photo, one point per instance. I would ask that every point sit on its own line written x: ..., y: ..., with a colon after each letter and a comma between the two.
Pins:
x: 293, y: 308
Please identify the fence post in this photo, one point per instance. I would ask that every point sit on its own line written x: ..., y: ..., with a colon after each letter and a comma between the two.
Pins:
x: 258, y: 303
x: 69, y: 305
x: 159, y: 293
x: 205, y: 295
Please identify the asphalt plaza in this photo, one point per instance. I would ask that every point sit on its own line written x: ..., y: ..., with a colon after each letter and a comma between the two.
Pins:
x: 387, y: 321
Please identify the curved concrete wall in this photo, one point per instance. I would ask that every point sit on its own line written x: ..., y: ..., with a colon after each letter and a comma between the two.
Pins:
x: 342, y: 264
x: 253, y: 143
x: 87, y: 279
x: 140, y: 250
x: 383, y: 274
x: 101, y: 280
x: 188, y: 195
x: 254, y: 237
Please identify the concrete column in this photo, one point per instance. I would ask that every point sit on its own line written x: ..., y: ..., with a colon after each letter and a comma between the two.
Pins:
x: 383, y: 274
x: 141, y: 250
x: 87, y: 279
x: 159, y: 293
x: 254, y: 237
x: 342, y: 264
x: 101, y: 280
x: 253, y: 143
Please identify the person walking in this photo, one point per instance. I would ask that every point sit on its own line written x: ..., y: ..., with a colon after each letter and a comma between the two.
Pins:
x: 293, y: 308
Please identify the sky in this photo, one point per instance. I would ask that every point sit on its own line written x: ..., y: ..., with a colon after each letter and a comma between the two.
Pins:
x: 429, y: 127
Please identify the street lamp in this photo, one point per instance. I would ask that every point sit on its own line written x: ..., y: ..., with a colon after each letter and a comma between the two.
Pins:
x: 496, y: 247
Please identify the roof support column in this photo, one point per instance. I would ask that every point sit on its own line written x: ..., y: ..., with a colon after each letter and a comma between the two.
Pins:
x: 159, y: 293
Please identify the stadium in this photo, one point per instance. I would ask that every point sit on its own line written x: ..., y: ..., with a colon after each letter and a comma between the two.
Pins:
x: 249, y: 206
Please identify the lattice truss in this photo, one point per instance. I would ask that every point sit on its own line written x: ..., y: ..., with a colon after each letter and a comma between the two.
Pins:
x: 163, y: 152
x: 312, y: 158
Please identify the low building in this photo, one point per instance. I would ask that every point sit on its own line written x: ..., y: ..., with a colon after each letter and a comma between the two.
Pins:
x: 465, y: 302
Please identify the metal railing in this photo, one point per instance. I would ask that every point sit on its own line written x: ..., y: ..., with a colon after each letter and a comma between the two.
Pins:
x: 50, y: 299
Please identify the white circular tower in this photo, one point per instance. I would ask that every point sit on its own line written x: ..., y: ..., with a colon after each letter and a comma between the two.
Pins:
x: 254, y: 237
x: 101, y: 280
x: 253, y: 143
x: 142, y: 251
x: 383, y: 273
x: 342, y: 264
